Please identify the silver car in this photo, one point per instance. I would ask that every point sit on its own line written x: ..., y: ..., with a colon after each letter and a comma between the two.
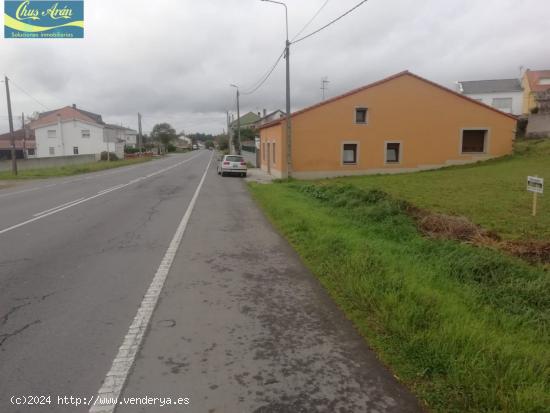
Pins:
x: 232, y: 164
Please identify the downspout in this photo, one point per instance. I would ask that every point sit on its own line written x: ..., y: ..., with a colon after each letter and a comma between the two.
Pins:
x: 60, y: 127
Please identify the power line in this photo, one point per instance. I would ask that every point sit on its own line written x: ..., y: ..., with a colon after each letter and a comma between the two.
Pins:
x: 264, y: 78
x: 28, y: 94
x: 330, y: 23
x: 311, y: 20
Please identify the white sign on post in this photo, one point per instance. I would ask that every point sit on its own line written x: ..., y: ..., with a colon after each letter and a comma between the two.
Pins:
x: 535, y: 184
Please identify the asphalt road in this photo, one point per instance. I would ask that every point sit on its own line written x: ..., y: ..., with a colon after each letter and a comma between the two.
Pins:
x: 240, y: 325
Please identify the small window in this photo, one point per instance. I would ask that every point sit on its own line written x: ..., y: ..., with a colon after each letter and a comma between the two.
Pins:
x: 30, y: 151
x: 75, y: 150
x: 349, y: 154
x: 273, y: 152
x: 361, y: 115
x: 85, y: 134
x: 52, y: 133
x: 473, y: 140
x: 544, y: 81
x: 52, y: 150
x: 393, y: 152
x: 504, y: 104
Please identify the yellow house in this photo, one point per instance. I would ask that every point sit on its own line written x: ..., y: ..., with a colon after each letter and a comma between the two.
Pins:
x: 533, y: 81
x: 399, y: 124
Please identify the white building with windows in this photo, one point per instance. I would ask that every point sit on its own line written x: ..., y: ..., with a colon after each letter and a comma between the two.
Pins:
x: 502, y: 94
x: 73, y: 131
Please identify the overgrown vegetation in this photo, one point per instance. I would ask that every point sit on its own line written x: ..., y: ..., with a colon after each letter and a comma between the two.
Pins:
x: 69, y: 170
x: 467, y: 328
x: 491, y: 194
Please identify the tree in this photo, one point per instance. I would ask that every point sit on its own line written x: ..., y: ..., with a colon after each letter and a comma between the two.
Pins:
x: 163, y: 133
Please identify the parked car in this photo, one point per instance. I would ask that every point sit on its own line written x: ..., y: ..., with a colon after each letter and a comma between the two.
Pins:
x: 232, y: 164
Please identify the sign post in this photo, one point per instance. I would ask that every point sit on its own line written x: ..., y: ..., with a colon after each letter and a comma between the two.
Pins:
x: 536, y: 186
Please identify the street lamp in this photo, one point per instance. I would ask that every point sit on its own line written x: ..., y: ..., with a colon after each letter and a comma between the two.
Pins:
x: 288, y: 125
x: 238, y: 145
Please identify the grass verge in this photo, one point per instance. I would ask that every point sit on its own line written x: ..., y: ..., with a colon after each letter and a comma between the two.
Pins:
x: 69, y: 170
x: 466, y: 328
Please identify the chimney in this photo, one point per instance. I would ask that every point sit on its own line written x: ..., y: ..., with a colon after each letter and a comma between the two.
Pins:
x: 74, y: 106
x: 265, y: 113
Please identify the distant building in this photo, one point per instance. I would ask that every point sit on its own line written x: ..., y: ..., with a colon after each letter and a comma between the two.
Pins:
x: 270, y: 117
x: 117, y: 133
x: 73, y: 131
x: 25, y: 144
x: 502, y: 94
x: 247, y: 121
x: 534, y: 82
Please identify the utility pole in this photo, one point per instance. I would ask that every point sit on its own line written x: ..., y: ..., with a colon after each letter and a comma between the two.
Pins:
x: 238, y: 143
x: 12, y: 136
x: 24, y: 135
x: 324, y: 83
x: 288, y: 114
x: 140, y: 136
x: 228, y: 132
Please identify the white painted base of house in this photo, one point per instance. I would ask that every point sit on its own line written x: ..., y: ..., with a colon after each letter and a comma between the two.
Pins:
x: 308, y: 175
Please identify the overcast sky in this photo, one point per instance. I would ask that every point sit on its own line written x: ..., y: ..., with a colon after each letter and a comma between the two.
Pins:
x: 173, y: 60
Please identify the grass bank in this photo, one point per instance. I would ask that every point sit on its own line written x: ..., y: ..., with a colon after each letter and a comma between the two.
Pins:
x: 69, y: 170
x: 491, y: 194
x: 466, y: 328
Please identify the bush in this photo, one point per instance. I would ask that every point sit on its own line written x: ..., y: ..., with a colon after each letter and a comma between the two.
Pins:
x: 112, y: 156
x: 171, y: 148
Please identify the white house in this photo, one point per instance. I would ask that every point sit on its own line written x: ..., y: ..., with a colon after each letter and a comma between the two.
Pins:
x: 73, y: 131
x: 502, y: 94
x: 121, y: 134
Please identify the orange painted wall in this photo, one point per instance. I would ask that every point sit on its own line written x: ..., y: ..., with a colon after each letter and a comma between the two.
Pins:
x: 426, y: 119
x: 269, y: 136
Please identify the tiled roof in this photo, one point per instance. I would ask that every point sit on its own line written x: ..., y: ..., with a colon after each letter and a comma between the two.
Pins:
x: 491, y: 86
x: 534, y: 76
x: 66, y: 113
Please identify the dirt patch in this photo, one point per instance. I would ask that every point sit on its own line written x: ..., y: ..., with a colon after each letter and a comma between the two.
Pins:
x: 460, y: 228
x: 6, y: 184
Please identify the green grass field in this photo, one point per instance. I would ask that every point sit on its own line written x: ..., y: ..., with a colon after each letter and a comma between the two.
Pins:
x: 491, y: 194
x: 69, y: 170
x: 465, y: 328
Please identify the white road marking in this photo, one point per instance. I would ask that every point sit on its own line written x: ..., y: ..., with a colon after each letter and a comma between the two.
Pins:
x: 56, y: 207
x: 117, y: 375
x: 78, y: 202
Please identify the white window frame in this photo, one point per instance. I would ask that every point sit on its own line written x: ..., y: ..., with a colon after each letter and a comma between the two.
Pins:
x: 357, y: 146
x: 54, y: 133
x: 485, y: 144
x: 75, y: 152
x: 507, y: 108
x: 51, y: 150
x: 400, y: 159
x: 82, y: 133
x: 366, y: 122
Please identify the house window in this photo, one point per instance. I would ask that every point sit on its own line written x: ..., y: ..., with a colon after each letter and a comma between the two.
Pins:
x: 30, y: 151
x: 263, y: 153
x: 85, y: 134
x: 52, y: 150
x: 504, y: 104
x: 52, y: 133
x: 544, y: 81
x: 75, y: 150
x: 273, y: 152
x: 393, y: 152
x: 473, y: 140
x: 361, y: 115
x: 349, y: 154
